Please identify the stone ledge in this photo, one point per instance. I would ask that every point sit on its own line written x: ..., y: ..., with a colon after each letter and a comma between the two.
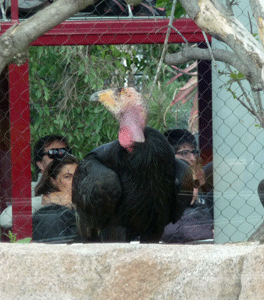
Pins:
x: 131, y: 271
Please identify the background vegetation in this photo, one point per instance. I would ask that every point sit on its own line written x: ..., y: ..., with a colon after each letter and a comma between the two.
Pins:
x: 63, y: 78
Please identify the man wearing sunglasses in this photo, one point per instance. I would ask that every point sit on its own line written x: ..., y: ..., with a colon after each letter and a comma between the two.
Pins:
x: 45, y: 150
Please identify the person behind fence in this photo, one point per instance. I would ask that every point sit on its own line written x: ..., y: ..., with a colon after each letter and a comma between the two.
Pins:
x: 56, y: 219
x: 46, y: 149
x: 196, y: 222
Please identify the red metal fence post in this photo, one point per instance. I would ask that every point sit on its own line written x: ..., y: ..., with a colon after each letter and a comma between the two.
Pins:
x: 14, y: 11
x: 20, y: 150
x: 5, y: 161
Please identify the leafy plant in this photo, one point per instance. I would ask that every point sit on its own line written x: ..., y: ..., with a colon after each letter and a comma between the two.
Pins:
x: 24, y: 241
x: 13, y: 238
x: 179, y: 10
x: 63, y: 78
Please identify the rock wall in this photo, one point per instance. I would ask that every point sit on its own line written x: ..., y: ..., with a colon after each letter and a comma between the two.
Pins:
x: 131, y: 271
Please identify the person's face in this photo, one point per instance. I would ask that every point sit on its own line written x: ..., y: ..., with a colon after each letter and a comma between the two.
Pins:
x: 64, y: 179
x: 185, y: 154
x: 46, y: 160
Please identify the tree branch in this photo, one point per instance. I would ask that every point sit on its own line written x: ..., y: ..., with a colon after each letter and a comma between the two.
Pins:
x: 189, y: 53
x: 249, y: 107
x: 17, y: 38
x: 165, y: 47
x: 215, y: 19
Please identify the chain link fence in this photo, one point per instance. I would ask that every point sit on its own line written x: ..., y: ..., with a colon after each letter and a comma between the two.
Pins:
x: 117, y: 45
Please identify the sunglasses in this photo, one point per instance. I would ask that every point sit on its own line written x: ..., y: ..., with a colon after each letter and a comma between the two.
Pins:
x: 57, y: 152
x: 187, y: 153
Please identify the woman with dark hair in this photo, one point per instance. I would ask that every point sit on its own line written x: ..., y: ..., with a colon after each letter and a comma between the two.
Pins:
x: 46, y: 149
x: 56, y: 220
x: 56, y: 182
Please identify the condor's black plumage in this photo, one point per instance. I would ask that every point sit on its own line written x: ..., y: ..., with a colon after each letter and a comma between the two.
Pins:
x: 125, y: 192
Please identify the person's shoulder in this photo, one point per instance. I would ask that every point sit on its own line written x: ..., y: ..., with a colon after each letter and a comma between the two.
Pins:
x: 36, y: 203
x: 6, y: 217
x: 53, y: 222
x: 55, y: 211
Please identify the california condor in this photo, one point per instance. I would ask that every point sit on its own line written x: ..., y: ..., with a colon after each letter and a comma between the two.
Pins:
x: 130, y: 188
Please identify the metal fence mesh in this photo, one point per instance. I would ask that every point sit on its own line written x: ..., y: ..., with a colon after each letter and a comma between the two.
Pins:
x: 100, y: 48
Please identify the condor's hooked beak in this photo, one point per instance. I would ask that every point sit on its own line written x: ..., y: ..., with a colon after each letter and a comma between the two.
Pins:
x: 95, y: 96
x: 108, y: 98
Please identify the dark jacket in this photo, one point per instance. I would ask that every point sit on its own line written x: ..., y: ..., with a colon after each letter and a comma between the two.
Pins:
x: 195, y: 224
x: 54, y: 223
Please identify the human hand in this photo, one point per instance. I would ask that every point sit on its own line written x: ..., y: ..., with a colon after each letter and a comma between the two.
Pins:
x: 195, y: 196
x: 198, y: 173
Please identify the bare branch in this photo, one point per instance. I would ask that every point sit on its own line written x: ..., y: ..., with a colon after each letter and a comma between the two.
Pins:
x: 189, y: 53
x: 182, y: 36
x: 250, y: 23
x: 252, y: 110
x: 17, y: 38
x: 244, y: 93
x: 210, y: 50
x: 214, y: 18
x: 229, y: 5
x: 165, y: 47
x: 259, y: 113
x: 244, y: 104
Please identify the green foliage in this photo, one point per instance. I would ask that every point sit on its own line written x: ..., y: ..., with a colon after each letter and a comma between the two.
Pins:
x: 179, y: 10
x: 13, y: 238
x: 161, y: 113
x: 63, y: 78
x: 237, y: 75
x: 24, y: 241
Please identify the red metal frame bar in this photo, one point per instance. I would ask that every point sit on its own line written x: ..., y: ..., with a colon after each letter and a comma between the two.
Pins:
x: 98, y: 32
x: 20, y: 150
x: 5, y: 160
